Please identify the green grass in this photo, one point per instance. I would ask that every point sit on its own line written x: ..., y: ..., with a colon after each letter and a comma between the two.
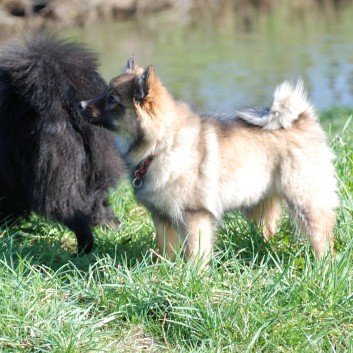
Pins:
x: 254, y: 297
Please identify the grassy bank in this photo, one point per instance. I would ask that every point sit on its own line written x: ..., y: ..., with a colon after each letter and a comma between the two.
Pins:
x: 255, y: 297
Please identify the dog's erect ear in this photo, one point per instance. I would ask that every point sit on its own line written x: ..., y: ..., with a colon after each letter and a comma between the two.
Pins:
x: 145, y: 83
x: 131, y: 65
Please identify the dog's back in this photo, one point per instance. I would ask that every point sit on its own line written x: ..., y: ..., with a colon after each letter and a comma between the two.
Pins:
x: 52, y: 161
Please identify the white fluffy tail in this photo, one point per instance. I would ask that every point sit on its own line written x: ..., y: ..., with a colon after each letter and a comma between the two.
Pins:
x: 288, y: 103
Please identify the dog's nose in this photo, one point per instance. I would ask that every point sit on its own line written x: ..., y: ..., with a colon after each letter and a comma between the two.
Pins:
x: 82, y: 105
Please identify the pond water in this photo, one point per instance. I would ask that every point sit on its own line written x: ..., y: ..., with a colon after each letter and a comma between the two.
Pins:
x: 221, y: 62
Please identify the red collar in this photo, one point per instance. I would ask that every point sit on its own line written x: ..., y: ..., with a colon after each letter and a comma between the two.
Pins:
x: 140, y: 171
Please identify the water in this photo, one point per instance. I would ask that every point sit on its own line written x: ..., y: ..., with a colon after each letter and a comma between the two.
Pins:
x: 225, y: 61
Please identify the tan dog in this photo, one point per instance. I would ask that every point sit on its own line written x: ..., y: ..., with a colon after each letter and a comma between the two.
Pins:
x: 189, y: 169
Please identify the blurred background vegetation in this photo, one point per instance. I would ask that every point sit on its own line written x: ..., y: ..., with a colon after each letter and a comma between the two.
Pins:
x: 216, y: 54
x: 63, y: 13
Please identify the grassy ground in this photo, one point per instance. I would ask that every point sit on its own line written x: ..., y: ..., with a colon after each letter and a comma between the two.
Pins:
x: 254, y: 297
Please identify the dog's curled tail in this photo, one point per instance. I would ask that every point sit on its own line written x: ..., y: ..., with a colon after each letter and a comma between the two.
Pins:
x: 289, y: 102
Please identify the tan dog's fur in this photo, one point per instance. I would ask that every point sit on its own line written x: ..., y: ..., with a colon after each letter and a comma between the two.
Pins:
x: 204, y: 166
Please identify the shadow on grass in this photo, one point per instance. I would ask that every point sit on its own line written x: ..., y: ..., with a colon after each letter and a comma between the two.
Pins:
x: 53, y: 245
x: 242, y: 241
x: 45, y: 243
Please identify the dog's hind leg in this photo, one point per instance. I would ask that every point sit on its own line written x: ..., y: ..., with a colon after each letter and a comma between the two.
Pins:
x: 198, y: 236
x: 81, y: 226
x: 309, y: 189
x: 317, y: 223
x: 320, y: 230
x: 265, y: 215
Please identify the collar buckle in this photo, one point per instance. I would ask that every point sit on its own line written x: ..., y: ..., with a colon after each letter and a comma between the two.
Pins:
x: 140, y: 172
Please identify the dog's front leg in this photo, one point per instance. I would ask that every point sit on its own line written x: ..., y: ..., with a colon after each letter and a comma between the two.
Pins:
x: 167, y: 239
x: 81, y: 225
x: 198, y: 234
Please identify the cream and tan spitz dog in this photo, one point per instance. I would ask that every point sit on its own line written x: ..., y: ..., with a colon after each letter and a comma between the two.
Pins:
x: 189, y: 169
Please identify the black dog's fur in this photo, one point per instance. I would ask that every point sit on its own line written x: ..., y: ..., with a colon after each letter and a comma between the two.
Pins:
x: 52, y: 161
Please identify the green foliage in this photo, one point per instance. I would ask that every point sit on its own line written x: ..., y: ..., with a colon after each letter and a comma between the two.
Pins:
x: 254, y: 297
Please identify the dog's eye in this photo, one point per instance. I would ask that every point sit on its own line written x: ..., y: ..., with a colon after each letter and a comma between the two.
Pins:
x: 111, y: 100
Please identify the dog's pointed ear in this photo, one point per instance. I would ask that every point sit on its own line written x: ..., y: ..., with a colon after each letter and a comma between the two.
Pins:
x: 131, y: 65
x: 145, y: 83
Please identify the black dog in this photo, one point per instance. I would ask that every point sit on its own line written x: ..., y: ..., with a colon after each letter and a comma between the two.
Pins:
x: 52, y: 161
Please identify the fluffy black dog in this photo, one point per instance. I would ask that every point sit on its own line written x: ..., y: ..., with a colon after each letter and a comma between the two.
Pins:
x: 52, y: 161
